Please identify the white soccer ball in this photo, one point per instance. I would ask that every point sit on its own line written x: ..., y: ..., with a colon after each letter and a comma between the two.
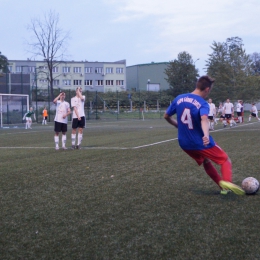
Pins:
x: 250, y: 185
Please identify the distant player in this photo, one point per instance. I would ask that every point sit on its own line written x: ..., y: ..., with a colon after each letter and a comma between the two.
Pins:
x: 61, y: 120
x: 212, y: 114
x: 28, y: 117
x: 77, y: 103
x: 254, y: 112
x: 44, y: 116
x: 228, y: 109
x: 193, y: 134
x: 239, y: 108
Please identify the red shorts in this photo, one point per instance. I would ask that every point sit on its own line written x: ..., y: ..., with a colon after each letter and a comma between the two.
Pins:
x: 215, y: 154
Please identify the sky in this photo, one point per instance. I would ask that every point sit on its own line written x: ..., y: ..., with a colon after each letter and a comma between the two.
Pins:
x: 139, y: 31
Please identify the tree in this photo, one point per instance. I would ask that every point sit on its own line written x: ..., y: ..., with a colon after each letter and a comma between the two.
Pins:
x: 231, y: 67
x: 49, y: 42
x: 255, y: 57
x: 3, y: 63
x: 181, y: 74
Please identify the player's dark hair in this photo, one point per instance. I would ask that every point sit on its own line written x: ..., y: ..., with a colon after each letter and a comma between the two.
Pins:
x: 204, y: 82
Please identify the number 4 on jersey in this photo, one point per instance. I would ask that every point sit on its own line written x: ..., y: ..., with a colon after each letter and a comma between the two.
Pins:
x: 186, y: 118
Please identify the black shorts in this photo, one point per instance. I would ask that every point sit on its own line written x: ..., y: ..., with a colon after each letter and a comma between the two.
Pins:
x: 210, y: 117
x: 60, y: 127
x: 253, y: 114
x: 78, y: 123
x: 239, y: 113
x: 228, y: 116
x: 222, y: 116
x: 45, y: 117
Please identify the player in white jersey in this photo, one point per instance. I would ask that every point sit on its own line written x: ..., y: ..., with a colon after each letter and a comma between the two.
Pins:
x: 61, y: 120
x: 78, y: 121
x: 212, y: 114
x: 239, y: 108
x: 228, y: 109
x: 254, y: 112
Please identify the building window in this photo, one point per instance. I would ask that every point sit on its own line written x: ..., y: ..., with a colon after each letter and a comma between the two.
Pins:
x: 98, y: 70
x: 66, y: 69
x: 88, y: 70
x: 43, y: 80
x: 56, y: 82
x: 55, y: 69
x: 88, y: 82
x: 10, y: 68
x: 67, y: 82
x: 77, y: 69
x: 119, y: 82
x: 77, y: 82
x: 120, y: 70
x: 18, y: 69
x: 31, y: 69
x: 99, y: 82
x: 109, y: 70
x: 109, y: 82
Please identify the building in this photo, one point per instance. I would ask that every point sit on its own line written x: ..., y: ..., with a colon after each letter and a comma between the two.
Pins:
x: 147, y: 77
x: 91, y: 76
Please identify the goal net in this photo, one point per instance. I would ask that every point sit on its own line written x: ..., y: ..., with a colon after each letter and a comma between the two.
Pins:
x: 13, y: 108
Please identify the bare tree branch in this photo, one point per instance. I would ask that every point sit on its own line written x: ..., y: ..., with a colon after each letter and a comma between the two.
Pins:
x: 49, y: 41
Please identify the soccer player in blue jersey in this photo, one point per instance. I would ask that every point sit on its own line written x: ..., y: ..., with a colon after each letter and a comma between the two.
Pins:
x: 193, y: 134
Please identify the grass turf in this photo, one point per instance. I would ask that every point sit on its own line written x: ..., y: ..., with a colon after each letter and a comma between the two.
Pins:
x: 116, y: 200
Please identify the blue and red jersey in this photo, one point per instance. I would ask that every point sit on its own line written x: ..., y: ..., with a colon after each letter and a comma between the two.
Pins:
x: 189, y: 109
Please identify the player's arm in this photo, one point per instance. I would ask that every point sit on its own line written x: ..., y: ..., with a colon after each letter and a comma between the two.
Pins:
x: 205, y: 129
x: 80, y: 95
x: 68, y: 113
x: 171, y: 120
x: 57, y: 98
x: 76, y: 112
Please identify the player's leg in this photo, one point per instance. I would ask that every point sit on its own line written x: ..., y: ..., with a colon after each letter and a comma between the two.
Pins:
x: 64, y: 137
x: 30, y: 123
x: 74, y: 132
x: 80, y: 137
x: 211, y: 171
x: 80, y: 131
x: 57, y: 130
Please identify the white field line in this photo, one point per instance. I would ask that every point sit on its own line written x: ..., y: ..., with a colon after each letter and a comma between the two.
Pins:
x: 122, y: 148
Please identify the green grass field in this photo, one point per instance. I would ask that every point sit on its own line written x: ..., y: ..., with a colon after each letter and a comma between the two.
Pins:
x: 130, y: 193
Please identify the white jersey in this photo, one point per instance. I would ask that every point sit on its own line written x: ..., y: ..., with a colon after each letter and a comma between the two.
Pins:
x: 228, y: 107
x: 77, y: 102
x: 61, y: 110
x: 212, y: 109
x: 254, y: 110
x: 239, y: 107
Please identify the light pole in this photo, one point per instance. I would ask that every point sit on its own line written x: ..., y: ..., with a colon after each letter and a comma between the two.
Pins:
x: 23, y: 66
x: 195, y: 61
x: 148, y: 83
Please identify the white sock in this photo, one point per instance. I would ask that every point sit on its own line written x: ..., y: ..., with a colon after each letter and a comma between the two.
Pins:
x: 64, y: 139
x: 249, y: 119
x: 80, y: 137
x: 26, y: 125
x: 56, y: 140
x: 43, y: 122
x: 73, y: 139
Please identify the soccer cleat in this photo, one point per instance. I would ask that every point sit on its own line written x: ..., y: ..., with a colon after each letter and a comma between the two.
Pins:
x: 64, y: 148
x: 73, y: 147
x: 225, y: 126
x: 78, y: 147
x: 57, y: 148
x: 224, y: 192
x: 225, y: 185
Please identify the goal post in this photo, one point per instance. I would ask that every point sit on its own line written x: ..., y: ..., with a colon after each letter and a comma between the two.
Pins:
x: 12, y: 108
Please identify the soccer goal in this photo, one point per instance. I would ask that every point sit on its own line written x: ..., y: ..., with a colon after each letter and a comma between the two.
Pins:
x: 12, y: 108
